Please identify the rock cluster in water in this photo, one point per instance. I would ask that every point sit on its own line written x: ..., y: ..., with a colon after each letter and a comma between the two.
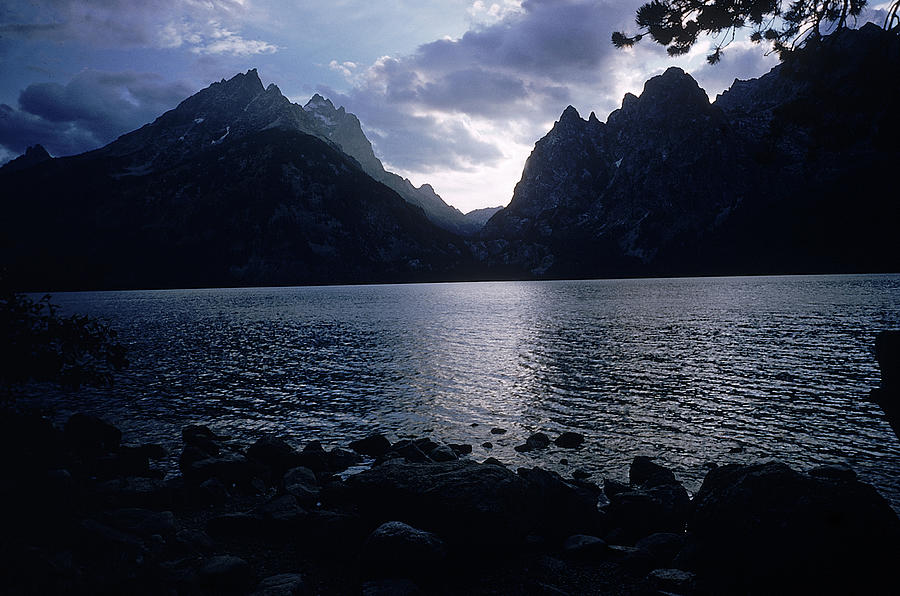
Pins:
x: 89, y: 514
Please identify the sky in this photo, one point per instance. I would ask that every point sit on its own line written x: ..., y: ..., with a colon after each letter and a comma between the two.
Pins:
x: 453, y: 93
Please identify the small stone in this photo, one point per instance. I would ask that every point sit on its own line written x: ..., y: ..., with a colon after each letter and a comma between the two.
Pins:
x: 474, y: 424
x: 564, y: 462
x: 493, y: 461
x: 737, y: 449
x: 498, y: 431
x: 487, y: 445
x: 538, y: 441
x: 569, y: 440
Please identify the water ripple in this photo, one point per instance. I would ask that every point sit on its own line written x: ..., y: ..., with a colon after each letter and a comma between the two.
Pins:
x: 688, y: 370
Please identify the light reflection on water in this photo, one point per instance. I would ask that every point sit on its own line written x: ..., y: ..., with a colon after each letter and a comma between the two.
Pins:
x: 683, y: 369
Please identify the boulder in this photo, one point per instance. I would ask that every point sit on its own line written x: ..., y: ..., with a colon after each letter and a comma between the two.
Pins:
x: 645, y: 472
x: 613, y: 487
x: 226, y: 574
x: 581, y: 546
x: 281, y: 510
x: 425, y: 445
x: 887, y: 353
x: 460, y: 449
x: 643, y: 511
x: 340, y: 459
x: 142, y: 522
x: 83, y: 431
x: 443, y: 453
x: 302, y: 484
x: 229, y: 468
x: 149, y: 493
x: 563, y: 508
x: 274, y: 453
x: 232, y: 526
x: 535, y: 441
x: 285, y: 584
x: 482, y: 507
x: 391, y: 587
x: 194, y: 541
x: 201, y: 437
x: 325, y: 463
x: 374, y: 445
x: 398, y: 548
x: 662, y: 546
x: 766, y: 527
x: 569, y: 440
x: 674, y: 581
x: 409, y: 451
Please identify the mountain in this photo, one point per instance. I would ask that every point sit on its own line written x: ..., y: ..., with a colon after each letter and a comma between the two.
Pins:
x: 232, y: 187
x: 786, y: 173
x: 343, y: 129
x: 32, y: 156
x: 478, y: 217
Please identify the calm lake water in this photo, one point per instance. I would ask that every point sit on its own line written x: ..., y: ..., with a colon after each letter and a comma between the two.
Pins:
x: 686, y: 370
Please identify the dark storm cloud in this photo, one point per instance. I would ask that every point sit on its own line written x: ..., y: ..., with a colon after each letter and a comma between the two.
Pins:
x: 520, y: 70
x: 205, y: 27
x: 91, y: 110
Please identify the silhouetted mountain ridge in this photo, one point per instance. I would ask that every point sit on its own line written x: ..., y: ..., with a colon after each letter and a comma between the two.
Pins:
x: 228, y: 188
x: 785, y: 173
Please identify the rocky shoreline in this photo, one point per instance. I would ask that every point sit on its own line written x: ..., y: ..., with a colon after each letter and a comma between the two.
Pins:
x: 89, y: 514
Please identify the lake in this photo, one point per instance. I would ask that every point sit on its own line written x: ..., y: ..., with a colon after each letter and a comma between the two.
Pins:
x: 691, y: 371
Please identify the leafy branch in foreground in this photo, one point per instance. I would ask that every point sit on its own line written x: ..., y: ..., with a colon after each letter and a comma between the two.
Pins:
x: 677, y: 24
x: 42, y: 345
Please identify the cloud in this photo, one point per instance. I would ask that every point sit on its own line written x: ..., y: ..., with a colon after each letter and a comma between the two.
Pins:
x: 516, y: 69
x: 91, y: 110
x: 223, y: 41
x: 204, y: 26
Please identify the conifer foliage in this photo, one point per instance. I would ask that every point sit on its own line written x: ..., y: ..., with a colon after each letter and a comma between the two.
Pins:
x: 785, y: 26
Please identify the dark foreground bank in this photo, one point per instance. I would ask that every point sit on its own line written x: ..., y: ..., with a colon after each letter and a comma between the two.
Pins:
x: 89, y: 514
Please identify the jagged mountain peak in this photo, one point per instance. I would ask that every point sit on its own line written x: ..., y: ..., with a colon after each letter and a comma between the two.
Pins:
x: 33, y: 155
x: 570, y: 114
x: 318, y: 102
x: 675, y: 89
